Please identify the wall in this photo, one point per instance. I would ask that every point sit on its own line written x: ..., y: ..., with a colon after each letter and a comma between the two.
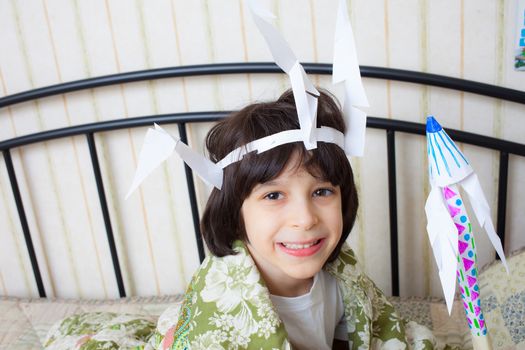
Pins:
x: 49, y: 42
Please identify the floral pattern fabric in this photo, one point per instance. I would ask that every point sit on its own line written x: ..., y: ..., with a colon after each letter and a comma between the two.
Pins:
x: 227, y: 306
x: 503, y: 301
x: 101, y: 330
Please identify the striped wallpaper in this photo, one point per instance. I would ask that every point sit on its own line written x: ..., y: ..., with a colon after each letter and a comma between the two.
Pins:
x: 46, y: 42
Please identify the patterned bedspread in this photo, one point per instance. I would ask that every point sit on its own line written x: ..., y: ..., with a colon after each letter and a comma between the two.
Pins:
x: 24, y: 323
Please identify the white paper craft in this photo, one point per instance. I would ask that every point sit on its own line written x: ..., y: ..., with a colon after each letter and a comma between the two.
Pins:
x: 346, y: 69
x: 447, y: 167
x: 158, y: 144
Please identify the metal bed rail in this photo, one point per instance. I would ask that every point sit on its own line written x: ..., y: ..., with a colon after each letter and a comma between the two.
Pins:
x: 266, y: 68
x: 390, y: 126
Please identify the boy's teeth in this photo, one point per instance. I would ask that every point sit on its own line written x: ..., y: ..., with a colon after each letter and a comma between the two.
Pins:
x: 298, y: 246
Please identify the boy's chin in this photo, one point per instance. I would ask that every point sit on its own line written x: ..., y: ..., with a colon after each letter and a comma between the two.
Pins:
x: 304, y: 272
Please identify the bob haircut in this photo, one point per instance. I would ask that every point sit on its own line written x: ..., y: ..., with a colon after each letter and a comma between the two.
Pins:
x: 222, y: 222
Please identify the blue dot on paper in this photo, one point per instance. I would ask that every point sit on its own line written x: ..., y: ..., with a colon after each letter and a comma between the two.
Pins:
x: 473, y: 272
x: 463, y: 218
x: 458, y: 201
x: 467, y: 237
x: 470, y: 253
x: 476, y: 288
x: 484, y: 332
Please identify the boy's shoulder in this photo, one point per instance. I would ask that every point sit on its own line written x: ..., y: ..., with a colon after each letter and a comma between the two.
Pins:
x: 222, y: 292
x: 345, y: 266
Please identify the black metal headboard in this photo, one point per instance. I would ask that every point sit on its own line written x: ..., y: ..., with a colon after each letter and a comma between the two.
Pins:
x: 505, y: 148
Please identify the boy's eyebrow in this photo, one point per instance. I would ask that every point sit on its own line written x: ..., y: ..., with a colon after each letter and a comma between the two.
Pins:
x: 266, y: 184
x: 277, y: 182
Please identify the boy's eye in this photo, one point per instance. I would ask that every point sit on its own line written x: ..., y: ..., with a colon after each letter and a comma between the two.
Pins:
x: 323, y: 192
x: 273, y: 196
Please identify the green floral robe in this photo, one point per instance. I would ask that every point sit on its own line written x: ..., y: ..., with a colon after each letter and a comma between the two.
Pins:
x: 227, y: 306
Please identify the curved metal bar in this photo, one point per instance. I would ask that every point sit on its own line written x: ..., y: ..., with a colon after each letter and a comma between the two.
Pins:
x: 429, y: 79
x: 265, y: 68
x: 195, y: 117
x: 112, y: 125
x: 457, y: 135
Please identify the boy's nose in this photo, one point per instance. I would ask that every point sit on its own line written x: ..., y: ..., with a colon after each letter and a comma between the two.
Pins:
x: 303, y: 215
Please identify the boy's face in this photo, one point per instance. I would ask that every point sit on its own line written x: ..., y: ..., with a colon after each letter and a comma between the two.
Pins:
x: 293, y: 223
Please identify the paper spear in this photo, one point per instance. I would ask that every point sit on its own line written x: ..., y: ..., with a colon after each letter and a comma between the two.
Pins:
x: 449, y: 227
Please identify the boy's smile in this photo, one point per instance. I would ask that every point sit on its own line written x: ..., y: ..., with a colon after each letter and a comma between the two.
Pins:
x: 301, y: 248
x: 293, y: 223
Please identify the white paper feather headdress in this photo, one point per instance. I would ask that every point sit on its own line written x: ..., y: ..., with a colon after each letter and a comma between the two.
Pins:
x: 159, y: 145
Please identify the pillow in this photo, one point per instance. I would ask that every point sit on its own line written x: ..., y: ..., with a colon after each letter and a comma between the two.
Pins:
x: 451, y: 330
x: 16, y: 332
x: 503, y: 301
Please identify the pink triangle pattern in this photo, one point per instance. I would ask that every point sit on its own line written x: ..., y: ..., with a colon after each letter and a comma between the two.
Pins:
x: 460, y: 228
x: 448, y: 193
x: 469, y: 320
x: 481, y: 324
x: 462, y: 247
x: 467, y: 263
x: 477, y: 310
x: 471, y: 281
x: 453, y: 210
x: 474, y: 295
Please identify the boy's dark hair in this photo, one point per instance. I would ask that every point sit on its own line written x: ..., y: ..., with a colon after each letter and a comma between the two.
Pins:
x: 222, y: 221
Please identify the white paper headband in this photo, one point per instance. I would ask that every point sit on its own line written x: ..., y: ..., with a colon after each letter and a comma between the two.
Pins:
x: 159, y: 145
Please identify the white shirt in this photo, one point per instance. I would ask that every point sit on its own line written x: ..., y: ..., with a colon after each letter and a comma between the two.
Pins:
x: 314, y: 319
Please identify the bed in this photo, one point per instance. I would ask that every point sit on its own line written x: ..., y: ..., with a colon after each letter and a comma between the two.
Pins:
x: 25, y: 321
